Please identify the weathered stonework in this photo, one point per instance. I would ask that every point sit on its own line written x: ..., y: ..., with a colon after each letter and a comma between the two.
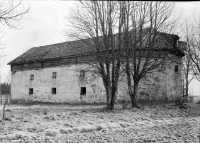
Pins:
x: 67, y: 86
x: 165, y: 85
x: 155, y: 86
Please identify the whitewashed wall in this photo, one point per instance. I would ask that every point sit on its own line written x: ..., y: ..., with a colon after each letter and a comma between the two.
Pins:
x: 67, y: 85
x: 164, y: 86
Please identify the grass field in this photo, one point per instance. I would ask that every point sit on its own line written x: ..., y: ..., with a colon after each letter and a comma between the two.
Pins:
x: 92, y: 123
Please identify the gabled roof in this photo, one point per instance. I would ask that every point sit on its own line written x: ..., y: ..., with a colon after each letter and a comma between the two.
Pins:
x: 59, y: 50
x: 68, y: 49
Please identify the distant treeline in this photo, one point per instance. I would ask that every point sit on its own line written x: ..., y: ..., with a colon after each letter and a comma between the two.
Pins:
x: 5, y: 88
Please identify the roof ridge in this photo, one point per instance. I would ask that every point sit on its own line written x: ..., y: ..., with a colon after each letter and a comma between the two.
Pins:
x: 62, y: 49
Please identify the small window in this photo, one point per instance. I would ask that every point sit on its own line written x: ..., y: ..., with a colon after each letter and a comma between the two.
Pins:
x: 82, y: 74
x: 32, y: 77
x: 30, y: 91
x: 83, y: 90
x: 176, y: 68
x: 53, y: 90
x: 54, y: 74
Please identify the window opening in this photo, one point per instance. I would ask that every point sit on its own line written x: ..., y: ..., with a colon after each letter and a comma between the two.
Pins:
x: 83, y: 90
x: 82, y: 74
x: 30, y: 91
x: 176, y: 68
x: 54, y: 74
x: 32, y: 77
x: 53, y: 90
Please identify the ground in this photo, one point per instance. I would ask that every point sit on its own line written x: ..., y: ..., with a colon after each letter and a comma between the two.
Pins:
x: 92, y: 123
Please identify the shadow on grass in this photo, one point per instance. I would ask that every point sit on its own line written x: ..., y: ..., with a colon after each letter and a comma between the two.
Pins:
x: 192, y: 110
x: 30, y: 103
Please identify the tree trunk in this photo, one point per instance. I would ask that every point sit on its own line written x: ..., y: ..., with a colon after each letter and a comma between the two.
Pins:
x: 4, y: 108
x: 129, y: 79
x: 186, y: 90
x: 134, y: 96
x: 131, y: 92
x: 108, y: 95
x: 108, y: 92
x: 183, y: 86
x: 1, y: 99
x: 112, y: 102
x: 113, y: 96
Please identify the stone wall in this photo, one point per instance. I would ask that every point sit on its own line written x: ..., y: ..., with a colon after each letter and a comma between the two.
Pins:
x: 165, y: 85
x: 174, y: 79
x: 68, y: 84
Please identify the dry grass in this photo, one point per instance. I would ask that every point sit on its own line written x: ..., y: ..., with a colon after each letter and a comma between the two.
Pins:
x: 90, y: 123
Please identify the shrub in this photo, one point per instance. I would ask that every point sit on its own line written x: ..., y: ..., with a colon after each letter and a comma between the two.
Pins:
x: 124, y: 104
x: 198, y: 102
x: 179, y: 100
x: 190, y: 99
x: 14, y: 101
x: 7, y: 119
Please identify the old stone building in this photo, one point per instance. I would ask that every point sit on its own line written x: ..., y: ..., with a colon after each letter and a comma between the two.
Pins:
x: 56, y: 73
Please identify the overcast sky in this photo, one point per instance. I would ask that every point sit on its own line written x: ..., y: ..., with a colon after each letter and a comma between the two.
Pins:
x: 44, y: 23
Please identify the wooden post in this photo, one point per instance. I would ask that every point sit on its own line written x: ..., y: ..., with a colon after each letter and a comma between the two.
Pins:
x: 4, y: 108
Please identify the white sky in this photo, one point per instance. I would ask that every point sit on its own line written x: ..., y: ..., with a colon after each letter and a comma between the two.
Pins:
x: 44, y: 23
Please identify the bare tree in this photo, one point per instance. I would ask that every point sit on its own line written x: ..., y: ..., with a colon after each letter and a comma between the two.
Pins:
x: 11, y: 13
x: 145, y: 52
x: 188, y: 70
x: 194, y: 44
x: 8, y: 78
x: 188, y: 73
x: 95, y: 24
